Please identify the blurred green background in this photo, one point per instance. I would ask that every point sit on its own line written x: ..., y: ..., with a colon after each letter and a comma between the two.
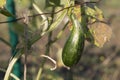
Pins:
x: 95, y: 64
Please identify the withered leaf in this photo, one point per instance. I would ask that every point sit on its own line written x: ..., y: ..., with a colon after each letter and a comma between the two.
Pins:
x: 101, y: 33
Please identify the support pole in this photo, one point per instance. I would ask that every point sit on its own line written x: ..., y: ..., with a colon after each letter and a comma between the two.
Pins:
x: 13, y: 38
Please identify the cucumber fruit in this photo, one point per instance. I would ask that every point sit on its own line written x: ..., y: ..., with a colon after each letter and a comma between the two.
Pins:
x: 74, y: 45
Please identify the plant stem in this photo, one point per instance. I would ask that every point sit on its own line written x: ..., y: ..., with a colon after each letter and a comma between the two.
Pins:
x: 26, y: 48
x: 7, y: 43
x: 47, y: 46
x: 18, y: 52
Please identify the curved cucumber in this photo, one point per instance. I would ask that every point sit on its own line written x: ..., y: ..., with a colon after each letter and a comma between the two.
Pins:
x: 74, y: 45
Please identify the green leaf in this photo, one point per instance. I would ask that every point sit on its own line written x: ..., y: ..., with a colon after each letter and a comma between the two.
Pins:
x: 50, y: 3
x: 5, y: 12
x: 54, y: 25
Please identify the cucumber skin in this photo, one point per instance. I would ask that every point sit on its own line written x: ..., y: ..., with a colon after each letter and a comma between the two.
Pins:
x: 74, y: 45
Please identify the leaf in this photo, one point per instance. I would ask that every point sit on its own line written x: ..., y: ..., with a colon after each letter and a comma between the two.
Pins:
x: 101, y: 33
x: 44, y: 17
x: 94, y: 14
x: 59, y: 19
x: 5, y: 12
x: 50, y: 3
x: 77, y: 12
x: 99, y: 13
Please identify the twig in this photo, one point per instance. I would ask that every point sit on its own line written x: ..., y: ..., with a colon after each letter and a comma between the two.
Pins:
x: 81, y: 3
x: 7, y: 43
x: 35, y: 15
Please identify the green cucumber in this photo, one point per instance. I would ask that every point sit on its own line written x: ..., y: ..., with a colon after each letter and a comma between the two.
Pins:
x: 74, y: 45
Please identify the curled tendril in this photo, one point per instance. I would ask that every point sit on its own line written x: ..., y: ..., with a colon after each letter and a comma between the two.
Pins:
x: 52, y: 60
